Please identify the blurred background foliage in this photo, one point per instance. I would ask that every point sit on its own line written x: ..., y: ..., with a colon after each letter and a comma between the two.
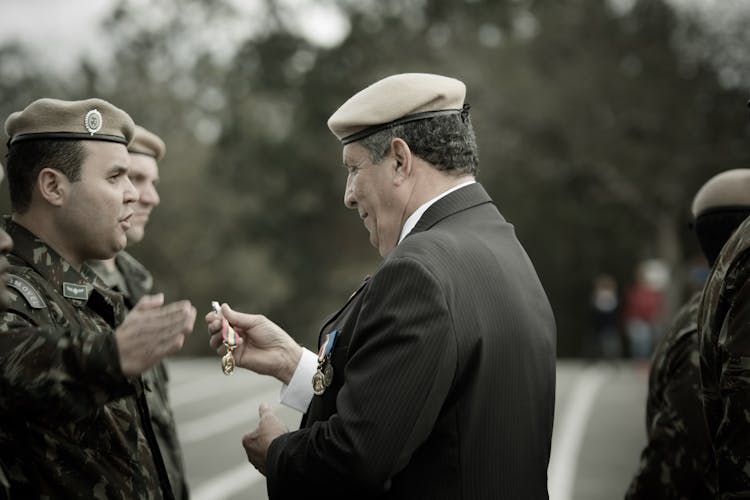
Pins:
x: 597, y: 121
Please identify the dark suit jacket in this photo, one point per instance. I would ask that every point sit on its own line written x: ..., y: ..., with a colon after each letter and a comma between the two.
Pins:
x: 444, y: 373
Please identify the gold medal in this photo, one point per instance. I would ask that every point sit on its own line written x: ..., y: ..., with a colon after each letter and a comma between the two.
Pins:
x: 227, y: 363
x: 324, y: 376
x: 328, y: 374
x: 230, y: 341
x: 318, y: 383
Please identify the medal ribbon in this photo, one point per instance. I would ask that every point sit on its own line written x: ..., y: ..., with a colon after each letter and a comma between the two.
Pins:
x: 228, y: 334
x: 327, y: 346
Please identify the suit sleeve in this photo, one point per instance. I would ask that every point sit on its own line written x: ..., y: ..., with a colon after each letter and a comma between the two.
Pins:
x: 56, y: 373
x: 732, y: 440
x: 401, y: 363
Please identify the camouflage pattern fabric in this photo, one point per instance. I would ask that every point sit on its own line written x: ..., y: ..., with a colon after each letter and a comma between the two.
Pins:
x: 72, y: 425
x: 724, y: 322
x: 134, y: 281
x: 4, y: 484
x: 677, y: 462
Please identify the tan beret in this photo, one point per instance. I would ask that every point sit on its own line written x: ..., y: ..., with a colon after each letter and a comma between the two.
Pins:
x: 394, y: 100
x: 727, y: 189
x: 91, y: 119
x: 147, y: 143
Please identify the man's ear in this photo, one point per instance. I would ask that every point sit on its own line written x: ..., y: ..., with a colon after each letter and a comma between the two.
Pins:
x: 404, y: 160
x: 53, y: 186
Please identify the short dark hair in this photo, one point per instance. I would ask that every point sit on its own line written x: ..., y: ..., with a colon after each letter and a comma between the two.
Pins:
x: 26, y: 159
x: 446, y: 142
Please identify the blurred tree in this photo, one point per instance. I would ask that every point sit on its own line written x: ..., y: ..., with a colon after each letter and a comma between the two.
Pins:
x: 596, y: 123
x: 594, y: 135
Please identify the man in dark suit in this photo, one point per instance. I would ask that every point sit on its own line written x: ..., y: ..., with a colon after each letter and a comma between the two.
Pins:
x: 436, y: 379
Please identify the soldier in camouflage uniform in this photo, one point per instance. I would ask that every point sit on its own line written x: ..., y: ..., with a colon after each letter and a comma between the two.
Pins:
x: 724, y: 362
x: 75, y: 423
x: 124, y: 274
x: 678, y: 463
x: 6, y: 244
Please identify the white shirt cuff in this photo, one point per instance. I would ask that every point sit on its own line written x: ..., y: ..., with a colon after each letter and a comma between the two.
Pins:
x: 299, y: 392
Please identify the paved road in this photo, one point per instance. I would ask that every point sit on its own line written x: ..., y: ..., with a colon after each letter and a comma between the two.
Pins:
x: 599, y: 428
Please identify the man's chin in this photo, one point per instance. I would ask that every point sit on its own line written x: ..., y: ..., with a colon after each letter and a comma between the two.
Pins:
x: 135, y: 234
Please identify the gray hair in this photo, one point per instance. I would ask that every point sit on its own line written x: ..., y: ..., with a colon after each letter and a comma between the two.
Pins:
x: 446, y: 142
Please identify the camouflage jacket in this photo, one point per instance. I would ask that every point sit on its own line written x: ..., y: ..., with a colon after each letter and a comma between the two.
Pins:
x: 677, y: 462
x: 724, y: 322
x: 133, y: 280
x: 4, y: 484
x: 72, y: 426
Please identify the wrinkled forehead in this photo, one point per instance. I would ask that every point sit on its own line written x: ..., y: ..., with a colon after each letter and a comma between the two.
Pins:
x: 354, y: 153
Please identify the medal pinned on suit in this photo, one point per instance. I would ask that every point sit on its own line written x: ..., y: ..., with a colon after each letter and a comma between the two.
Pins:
x: 230, y: 341
x: 324, y: 375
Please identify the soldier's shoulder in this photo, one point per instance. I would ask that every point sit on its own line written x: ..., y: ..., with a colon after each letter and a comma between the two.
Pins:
x: 24, y: 284
x: 28, y: 297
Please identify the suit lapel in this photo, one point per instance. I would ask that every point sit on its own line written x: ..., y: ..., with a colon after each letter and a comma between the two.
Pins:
x: 461, y: 199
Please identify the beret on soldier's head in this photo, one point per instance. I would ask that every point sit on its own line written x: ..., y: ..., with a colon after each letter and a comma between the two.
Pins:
x: 728, y: 189
x: 90, y: 119
x: 147, y: 143
x: 394, y: 100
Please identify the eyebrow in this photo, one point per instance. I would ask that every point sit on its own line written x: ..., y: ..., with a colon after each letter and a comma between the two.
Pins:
x: 117, y: 170
x: 347, y: 165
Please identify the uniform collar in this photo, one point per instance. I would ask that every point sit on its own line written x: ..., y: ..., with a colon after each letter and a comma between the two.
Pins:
x: 78, y: 287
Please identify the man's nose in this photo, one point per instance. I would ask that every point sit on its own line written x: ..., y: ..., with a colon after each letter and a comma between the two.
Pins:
x: 349, y: 200
x: 149, y: 196
x: 130, y: 195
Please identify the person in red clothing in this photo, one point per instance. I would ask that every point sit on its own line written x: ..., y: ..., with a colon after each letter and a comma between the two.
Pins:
x: 644, y: 304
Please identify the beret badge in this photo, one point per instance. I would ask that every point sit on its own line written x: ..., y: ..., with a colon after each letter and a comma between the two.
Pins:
x: 93, y: 121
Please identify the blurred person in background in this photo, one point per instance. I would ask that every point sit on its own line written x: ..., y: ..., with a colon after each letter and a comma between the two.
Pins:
x: 605, y: 314
x: 644, y: 304
x: 436, y: 379
x: 677, y: 462
x: 125, y: 275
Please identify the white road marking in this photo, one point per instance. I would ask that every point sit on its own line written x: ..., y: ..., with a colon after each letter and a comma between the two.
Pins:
x: 237, y: 479
x: 194, y: 391
x: 219, y: 421
x: 571, y: 431
x: 204, y: 380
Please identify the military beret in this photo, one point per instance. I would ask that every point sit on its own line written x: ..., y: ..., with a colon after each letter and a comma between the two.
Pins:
x: 147, y: 143
x: 91, y: 119
x: 729, y: 189
x: 394, y: 100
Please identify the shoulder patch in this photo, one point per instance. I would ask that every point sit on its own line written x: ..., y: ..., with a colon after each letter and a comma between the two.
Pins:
x: 32, y: 296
